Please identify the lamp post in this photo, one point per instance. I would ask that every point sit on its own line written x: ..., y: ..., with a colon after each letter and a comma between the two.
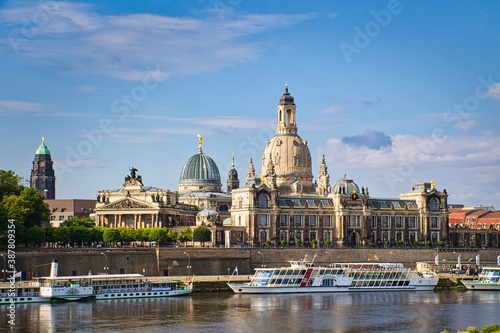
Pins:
x: 106, y: 268
x: 4, y: 265
x: 262, y: 254
x: 330, y: 255
x: 189, y: 263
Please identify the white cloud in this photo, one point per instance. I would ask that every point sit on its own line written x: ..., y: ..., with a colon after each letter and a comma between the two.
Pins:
x: 74, y: 38
x: 494, y: 91
x: 185, y: 126
x: 13, y: 106
x: 468, y: 167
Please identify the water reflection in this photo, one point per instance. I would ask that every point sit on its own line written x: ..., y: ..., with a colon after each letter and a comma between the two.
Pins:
x: 226, y: 312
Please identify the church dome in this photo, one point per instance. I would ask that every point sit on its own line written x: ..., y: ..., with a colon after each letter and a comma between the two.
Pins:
x: 200, y: 169
x: 345, y: 183
x: 286, y: 98
x: 42, y: 149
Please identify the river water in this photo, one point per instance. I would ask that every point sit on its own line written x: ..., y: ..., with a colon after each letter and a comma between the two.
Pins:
x: 225, y: 312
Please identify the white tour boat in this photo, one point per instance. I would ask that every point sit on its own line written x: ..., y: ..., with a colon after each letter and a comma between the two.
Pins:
x: 488, y: 279
x: 303, y: 277
x: 107, y: 286
x: 20, y: 292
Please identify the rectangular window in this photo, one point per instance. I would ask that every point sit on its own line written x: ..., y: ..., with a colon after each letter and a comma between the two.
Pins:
x: 283, y: 235
x: 312, y: 220
x: 52, y: 217
x: 412, y: 222
x: 61, y: 217
x: 312, y: 236
x: 373, y: 221
x: 327, y: 235
x: 263, y: 236
x: 434, y: 222
x: 298, y: 220
x: 283, y: 220
x: 399, y: 222
x: 262, y: 219
x: 384, y: 223
x: 326, y: 221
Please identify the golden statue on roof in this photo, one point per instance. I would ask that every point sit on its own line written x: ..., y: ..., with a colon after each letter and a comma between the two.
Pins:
x: 200, y: 142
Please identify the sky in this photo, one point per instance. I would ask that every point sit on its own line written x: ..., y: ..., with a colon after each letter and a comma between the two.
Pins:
x: 391, y: 92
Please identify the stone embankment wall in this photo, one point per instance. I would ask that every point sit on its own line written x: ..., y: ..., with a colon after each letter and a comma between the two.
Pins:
x: 220, y: 261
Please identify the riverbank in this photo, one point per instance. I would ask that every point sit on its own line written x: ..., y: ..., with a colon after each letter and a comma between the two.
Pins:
x: 218, y: 261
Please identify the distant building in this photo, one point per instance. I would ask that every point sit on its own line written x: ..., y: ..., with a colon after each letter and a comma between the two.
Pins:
x: 140, y: 206
x: 200, y: 185
x: 476, y: 226
x: 283, y: 205
x: 63, y: 209
x: 42, y: 176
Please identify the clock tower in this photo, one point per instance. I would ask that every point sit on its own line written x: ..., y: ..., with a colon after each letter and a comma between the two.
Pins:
x: 42, y: 175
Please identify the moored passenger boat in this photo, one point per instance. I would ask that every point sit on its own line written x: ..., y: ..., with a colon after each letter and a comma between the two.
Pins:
x: 303, y: 277
x: 20, y: 292
x: 488, y: 279
x: 107, y: 286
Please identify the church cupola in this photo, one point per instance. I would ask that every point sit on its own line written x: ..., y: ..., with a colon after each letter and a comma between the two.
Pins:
x: 42, y: 175
x: 232, y: 178
x: 286, y: 114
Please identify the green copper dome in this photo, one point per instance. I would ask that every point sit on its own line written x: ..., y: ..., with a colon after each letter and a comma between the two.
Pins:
x: 200, y: 169
x: 42, y: 149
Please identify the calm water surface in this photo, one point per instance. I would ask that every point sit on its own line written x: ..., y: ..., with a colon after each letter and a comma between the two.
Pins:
x: 226, y: 312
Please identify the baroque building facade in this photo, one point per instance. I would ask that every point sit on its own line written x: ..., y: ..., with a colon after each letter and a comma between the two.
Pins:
x: 138, y: 206
x: 42, y: 176
x: 283, y: 205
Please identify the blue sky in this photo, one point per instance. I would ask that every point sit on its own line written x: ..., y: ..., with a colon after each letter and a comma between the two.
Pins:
x: 391, y: 92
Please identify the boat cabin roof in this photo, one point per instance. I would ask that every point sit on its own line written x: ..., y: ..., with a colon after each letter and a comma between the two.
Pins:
x: 92, y: 277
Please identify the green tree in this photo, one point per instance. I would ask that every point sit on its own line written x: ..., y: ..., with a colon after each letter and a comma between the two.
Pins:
x: 35, y: 235
x: 202, y: 234
x: 79, y: 234
x: 491, y: 328
x: 96, y: 234
x: 10, y: 184
x: 128, y: 235
x: 62, y: 235
x: 142, y: 235
x: 28, y: 209
x: 171, y: 236
x: 111, y: 235
x: 86, y: 222
x: 186, y: 235
x: 158, y: 235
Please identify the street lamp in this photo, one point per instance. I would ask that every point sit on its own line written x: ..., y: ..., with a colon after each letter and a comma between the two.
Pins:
x: 189, y: 263
x: 330, y: 255
x: 106, y: 268
x: 262, y: 258
x: 4, y: 265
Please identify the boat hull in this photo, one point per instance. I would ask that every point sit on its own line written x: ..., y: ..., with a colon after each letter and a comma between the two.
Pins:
x: 246, y: 289
x: 471, y: 285
x: 143, y: 294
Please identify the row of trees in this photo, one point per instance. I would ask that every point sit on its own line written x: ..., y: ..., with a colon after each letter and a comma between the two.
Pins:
x: 83, y: 232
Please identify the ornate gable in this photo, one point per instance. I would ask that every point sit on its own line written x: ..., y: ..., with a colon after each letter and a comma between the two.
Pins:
x: 126, y: 204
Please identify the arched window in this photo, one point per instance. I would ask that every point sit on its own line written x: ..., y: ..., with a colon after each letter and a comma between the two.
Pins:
x: 263, y: 201
x: 433, y: 204
x: 223, y: 207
